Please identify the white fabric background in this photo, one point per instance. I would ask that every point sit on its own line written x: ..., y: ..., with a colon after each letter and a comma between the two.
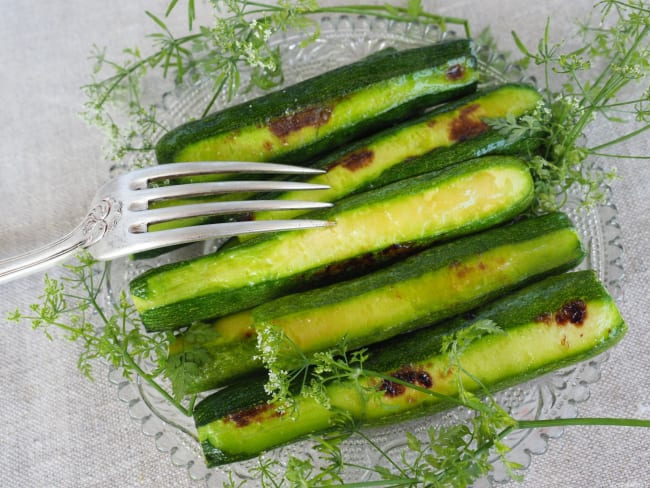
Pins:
x: 57, y: 428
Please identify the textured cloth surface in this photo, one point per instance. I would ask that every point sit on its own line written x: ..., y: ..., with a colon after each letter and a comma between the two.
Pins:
x: 59, y: 429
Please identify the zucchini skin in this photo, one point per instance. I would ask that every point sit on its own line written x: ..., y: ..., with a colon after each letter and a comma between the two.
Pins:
x: 478, y: 268
x: 180, y: 293
x: 316, y: 97
x: 535, y: 316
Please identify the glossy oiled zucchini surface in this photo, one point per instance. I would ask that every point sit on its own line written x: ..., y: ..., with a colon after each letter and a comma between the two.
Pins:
x: 300, y: 121
x: 459, y: 200
x: 454, y: 132
x: 556, y: 322
x: 421, y: 290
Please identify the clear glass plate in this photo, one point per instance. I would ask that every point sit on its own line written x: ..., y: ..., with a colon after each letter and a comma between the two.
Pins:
x: 345, y: 39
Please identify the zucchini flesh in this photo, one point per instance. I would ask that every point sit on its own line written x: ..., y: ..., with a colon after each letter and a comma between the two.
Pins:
x: 442, y: 137
x: 459, y: 200
x: 421, y: 290
x: 559, y: 321
x: 302, y: 120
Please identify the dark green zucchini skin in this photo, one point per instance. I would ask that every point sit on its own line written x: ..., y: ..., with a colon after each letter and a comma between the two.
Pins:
x: 328, y: 88
x: 181, y: 312
x: 535, y: 307
x: 218, y: 365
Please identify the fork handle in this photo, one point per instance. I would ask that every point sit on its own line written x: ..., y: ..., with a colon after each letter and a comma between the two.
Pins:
x: 94, y: 226
x: 41, y: 258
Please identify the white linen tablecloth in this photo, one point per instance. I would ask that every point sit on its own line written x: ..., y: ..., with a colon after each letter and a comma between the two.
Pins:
x: 59, y: 429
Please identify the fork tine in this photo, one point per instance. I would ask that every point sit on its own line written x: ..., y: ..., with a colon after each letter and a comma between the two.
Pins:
x: 141, y: 198
x: 142, y: 219
x: 172, y: 237
x: 140, y: 178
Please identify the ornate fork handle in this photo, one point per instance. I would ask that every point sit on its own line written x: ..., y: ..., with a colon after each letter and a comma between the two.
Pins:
x: 118, y: 224
x: 102, y: 218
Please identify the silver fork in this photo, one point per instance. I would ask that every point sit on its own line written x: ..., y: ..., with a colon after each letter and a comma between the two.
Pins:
x: 118, y: 222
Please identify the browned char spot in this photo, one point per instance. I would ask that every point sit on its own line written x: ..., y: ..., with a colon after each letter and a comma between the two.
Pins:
x: 455, y: 72
x: 246, y: 416
x: 312, y: 116
x: 445, y: 373
x: 360, y: 263
x: 406, y: 374
x: 545, y: 317
x: 355, y: 160
x: 466, y: 126
x: 462, y: 269
x: 574, y: 311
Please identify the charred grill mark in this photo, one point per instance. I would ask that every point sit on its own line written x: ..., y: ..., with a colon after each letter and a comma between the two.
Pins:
x: 406, y: 374
x: 391, y: 389
x: 455, y: 72
x: 234, y: 134
x: 459, y: 268
x: 574, y: 312
x: 312, y: 116
x: 545, y: 318
x: 467, y: 126
x: 355, y: 160
x: 463, y: 269
x: 367, y: 260
x: 445, y: 373
x: 246, y: 416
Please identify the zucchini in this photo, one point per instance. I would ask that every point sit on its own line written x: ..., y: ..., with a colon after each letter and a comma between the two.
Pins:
x: 459, y: 200
x: 449, y: 134
x: 300, y: 121
x: 433, y: 285
x: 559, y: 321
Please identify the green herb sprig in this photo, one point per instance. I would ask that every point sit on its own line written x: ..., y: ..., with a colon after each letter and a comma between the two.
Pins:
x: 598, y: 82
x: 238, y: 39
x: 70, y: 308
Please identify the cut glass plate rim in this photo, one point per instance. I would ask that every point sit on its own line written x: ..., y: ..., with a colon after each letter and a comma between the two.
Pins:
x: 555, y: 394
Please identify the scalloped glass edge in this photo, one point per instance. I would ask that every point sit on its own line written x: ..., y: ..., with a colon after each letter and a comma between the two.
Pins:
x: 605, y: 255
